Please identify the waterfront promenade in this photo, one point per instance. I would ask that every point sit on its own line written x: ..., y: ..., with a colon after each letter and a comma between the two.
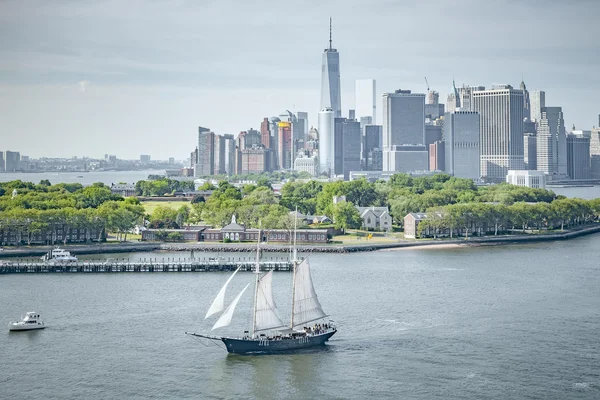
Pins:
x: 129, y: 247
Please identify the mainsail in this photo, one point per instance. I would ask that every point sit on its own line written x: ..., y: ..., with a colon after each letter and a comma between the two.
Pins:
x: 306, y: 306
x: 225, y: 319
x: 219, y: 302
x: 266, y: 311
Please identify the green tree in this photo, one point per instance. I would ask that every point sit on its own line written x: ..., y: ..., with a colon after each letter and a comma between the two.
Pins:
x: 346, y: 216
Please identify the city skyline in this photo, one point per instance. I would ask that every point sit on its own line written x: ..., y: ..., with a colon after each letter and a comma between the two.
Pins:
x: 126, y: 86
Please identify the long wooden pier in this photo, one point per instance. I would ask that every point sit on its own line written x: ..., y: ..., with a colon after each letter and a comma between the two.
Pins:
x: 103, y: 266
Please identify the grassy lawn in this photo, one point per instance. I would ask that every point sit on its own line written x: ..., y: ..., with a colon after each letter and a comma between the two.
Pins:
x: 360, y: 237
x: 150, y: 206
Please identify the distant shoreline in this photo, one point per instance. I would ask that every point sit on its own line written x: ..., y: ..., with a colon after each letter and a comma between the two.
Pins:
x: 130, y: 247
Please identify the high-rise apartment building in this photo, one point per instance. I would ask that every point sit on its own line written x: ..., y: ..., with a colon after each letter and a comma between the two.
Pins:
x: 365, y: 99
x: 537, y: 101
x: 461, y: 138
x: 331, y: 96
x: 145, y: 159
x: 229, y: 154
x: 552, y: 143
x: 11, y: 161
x: 403, y: 123
x: 578, y: 155
x: 326, y: 137
x: 501, y: 134
x: 219, y: 157
x: 206, y: 153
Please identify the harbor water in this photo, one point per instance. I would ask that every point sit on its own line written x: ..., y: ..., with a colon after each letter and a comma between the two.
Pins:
x: 484, y: 322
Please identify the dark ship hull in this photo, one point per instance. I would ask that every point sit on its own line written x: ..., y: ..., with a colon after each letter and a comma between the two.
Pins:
x: 271, y: 345
x: 245, y: 346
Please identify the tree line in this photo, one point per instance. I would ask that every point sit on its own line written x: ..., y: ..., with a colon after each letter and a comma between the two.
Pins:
x: 486, y: 218
x: 52, y: 212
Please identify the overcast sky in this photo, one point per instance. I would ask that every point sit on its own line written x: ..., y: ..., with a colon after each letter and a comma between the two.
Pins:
x: 138, y: 76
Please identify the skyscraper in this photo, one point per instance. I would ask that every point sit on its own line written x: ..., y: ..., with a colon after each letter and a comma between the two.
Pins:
x: 578, y: 155
x: 331, y: 96
x: 461, y: 138
x: 371, y: 147
x: 265, y: 133
x: 365, y: 99
x: 351, y: 147
x: 11, y: 160
x: 501, y: 137
x: 229, y: 154
x: 552, y: 142
x: 530, y: 151
x: 403, y: 124
x: 274, y: 128
x: 338, y: 145
x: 326, y: 132
x: 206, y: 153
x: 219, y: 156
x: 537, y: 100
x: 303, y: 116
x: 526, y: 101
x: 285, y: 145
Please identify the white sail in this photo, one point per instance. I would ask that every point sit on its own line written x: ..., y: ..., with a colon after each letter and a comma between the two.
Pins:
x: 225, y: 319
x: 266, y: 311
x: 219, y: 303
x: 306, y: 304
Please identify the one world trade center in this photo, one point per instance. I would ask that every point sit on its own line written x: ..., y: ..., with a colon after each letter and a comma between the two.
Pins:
x: 330, y: 79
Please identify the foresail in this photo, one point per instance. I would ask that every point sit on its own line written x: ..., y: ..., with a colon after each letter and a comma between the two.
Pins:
x: 219, y: 302
x: 306, y: 304
x: 266, y: 310
x: 225, y: 319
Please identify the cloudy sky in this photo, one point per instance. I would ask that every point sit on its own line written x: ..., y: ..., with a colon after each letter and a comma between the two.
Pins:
x: 138, y: 76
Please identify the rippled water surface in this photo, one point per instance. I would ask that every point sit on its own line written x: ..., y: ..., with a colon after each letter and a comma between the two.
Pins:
x: 466, y: 323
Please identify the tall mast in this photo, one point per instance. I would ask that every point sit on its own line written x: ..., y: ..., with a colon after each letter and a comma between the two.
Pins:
x: 257, y: 272
x: 294, y: 262
x: 330, y: 46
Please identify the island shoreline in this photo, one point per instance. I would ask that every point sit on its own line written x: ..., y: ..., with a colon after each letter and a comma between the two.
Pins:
x: 106, y: 248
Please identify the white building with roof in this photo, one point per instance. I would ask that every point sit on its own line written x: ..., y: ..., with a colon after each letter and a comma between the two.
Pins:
x: 527, y: 178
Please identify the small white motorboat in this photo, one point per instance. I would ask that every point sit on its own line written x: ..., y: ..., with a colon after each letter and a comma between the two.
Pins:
x: 31, y: 321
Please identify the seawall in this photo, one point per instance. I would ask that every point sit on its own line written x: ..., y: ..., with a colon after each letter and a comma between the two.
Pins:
x: 330, y: 248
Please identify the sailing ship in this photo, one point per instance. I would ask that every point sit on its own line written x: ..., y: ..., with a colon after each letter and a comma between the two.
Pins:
x: 269, y: 333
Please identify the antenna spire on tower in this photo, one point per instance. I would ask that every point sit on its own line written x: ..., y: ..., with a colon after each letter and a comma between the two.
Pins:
x: 330, y: 33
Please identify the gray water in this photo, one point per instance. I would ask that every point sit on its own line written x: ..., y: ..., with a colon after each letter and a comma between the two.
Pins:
x: 469, y: 323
